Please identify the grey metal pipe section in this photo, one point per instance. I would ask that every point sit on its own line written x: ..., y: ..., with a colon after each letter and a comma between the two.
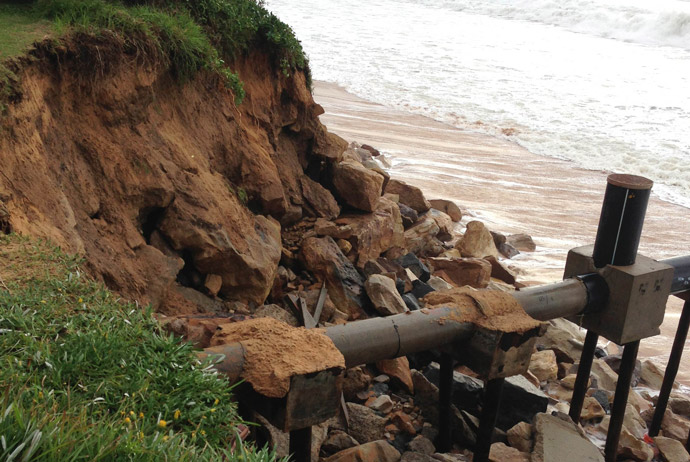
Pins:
x: 681, y: 275
x: 559, y: 300
x: 370, y: 340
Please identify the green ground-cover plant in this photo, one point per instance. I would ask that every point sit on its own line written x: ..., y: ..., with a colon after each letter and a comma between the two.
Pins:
x: 185, y: 35
x: 85, y: 376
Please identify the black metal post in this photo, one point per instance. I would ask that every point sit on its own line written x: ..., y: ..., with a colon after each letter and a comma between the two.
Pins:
x: 493, y: 389
x: 621, y: 220
x: 620, y: 400
x: 671, y: 370
x: 583, y: 372
x: 300, y: 445
x: 445, y: 390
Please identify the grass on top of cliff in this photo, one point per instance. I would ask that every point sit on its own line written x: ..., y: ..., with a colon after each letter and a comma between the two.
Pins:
x: 186, y: 36
x: 86, y: 377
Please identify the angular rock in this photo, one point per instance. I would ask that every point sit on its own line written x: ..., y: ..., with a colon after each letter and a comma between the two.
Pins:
x: 680, y: 405
x: 651, y: 374
x: 382, y: 404
x: 354, y: 381
x: 523, y: 401
x: 592, y: 410
x: 414, y: 264
x: 437, y: 283
x: 398, y: 370
x: 507, y: 250
x: 320, y: 199
x: 323, y: 257
x: 277, y: 312
x: 357, y: 186
x: 477, y: 241
x: 243, y: 249
x: 671, y: 450
x: 632, y: 421
x: 633, y: 448
x: 474, y: 272
x: 213, y: 283
x: 543, y: 365
x: 412, y: 456
x: 606, y: 377
x: 501, y: 453
x: 448, y: 207
x: 521, y: 242
x: 384, y: 295
x: 338, y: 441
x: 520, y: 437
x: 419, y: 236
x: 420, y: 289
x: 557, y: 439
x: 372, y: 150
x: 674, y: 426
x: 409, y: 215
x: 499, y: 271
x: 409, y: 195
x: 374, y: 451
x: 364, y: 424
x: 411, y: 302
x: 370, y: 235
x: 445, y: 225
x: 422, y: 445
x: 565, y: 338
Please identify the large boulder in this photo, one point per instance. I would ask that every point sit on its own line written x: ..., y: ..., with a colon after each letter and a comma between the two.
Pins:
x: 448, y: 207
x: 370, y: 234
x: 243, y: 249
x: 409, y: 195
x: 543, y: 365
x: 323, y: 257
x: 357, y: 186
x: 384, y: 296
x: 398, y: 370
x: 477, y: 241
x: 557, y: 439
x: 521, y: 242
x: 474, y: 272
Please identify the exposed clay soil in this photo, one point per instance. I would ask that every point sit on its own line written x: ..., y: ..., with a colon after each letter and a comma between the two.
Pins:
x: 274, y: 352
x: 159, y: 184
x: 490, y: 309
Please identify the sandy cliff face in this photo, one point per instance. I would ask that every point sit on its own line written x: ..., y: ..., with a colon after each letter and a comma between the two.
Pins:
x: 154, y: 182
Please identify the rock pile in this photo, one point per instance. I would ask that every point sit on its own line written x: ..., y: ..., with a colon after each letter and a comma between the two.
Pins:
x: 381, y: 255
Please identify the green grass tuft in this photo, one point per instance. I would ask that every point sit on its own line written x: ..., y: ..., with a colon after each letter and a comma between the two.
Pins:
x: 85, y: 376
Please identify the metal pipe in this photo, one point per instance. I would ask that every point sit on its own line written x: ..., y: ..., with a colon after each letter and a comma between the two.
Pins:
x: 620, y: 400
x: 681, y: 274
x: 582, y: 379
x: 371, y: 340
x: 621, y: 220
x: 363, y: 342
x: 493, y: 391
x: 671, y: 370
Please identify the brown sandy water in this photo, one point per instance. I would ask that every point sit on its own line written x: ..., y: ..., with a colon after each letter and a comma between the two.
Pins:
x: 511, y: 190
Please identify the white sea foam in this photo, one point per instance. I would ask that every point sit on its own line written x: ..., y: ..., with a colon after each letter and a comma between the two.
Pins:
x: 605, y: 84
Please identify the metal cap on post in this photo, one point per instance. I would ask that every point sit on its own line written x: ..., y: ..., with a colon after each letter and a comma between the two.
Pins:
x: 622, y: 217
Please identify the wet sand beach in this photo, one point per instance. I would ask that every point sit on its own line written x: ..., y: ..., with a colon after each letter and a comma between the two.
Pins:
x: 510, y: 189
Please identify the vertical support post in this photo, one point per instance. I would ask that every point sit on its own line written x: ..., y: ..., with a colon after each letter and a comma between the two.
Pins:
x: 445, y: 391
x: 300, y: 445
x: 493, y: 389
x: 620, y: 400
x: 671, y: 369
x: 582, y: 379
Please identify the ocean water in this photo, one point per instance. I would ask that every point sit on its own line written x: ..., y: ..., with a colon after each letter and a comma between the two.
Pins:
x: 602, y: 83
